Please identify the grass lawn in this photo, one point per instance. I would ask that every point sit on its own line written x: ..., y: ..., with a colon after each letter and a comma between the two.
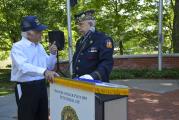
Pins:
x: 6, y: 87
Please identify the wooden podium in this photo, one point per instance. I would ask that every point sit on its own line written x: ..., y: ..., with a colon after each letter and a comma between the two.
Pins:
x: 87, y: 100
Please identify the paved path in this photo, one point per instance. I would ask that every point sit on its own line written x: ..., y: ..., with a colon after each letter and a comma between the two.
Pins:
x: 8, y: 107
x: 157, y: 86
x: 145, y: 105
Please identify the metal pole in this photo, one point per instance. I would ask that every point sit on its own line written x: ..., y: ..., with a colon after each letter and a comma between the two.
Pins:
x: 70, y: 53
x: 160, y: 35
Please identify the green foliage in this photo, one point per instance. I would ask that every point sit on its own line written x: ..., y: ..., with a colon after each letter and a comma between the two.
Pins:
x: 5, y: 75
x: 132, y: 24
x: 145, y: 74
x: 6, y: 86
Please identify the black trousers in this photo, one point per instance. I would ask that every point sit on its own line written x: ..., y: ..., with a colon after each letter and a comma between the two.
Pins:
x: 33, y: 103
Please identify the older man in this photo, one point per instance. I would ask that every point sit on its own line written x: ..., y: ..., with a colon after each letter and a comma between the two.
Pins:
x: 30, y: 66
x: 93, y: 58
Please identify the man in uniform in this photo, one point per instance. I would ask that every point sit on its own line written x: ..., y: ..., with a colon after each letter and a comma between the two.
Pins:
x: 93, y: 58
x: 30, y: 66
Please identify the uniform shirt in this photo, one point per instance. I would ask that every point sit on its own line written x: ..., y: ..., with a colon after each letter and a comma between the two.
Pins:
x: 29, y: 61
x: 94, y: 57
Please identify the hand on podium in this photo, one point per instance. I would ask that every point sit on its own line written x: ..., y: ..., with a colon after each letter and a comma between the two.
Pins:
x: 86, y: 76
x: 50, y: 75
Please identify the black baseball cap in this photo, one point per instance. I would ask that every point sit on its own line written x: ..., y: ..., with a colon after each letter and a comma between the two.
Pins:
x: 32, y: 23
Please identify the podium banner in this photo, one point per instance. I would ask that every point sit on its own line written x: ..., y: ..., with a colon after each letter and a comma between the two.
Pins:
x: 69, y: 103
x: 87, y: 100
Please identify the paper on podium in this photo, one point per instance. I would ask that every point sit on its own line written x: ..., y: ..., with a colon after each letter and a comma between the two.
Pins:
x: 100, y: 83
x: 110, y: 85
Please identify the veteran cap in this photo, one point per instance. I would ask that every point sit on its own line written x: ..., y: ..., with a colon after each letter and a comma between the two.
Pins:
x: 31, y: 23
x: 86, y: 15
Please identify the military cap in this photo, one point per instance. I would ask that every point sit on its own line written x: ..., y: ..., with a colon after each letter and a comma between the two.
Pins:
x: 86, y: 15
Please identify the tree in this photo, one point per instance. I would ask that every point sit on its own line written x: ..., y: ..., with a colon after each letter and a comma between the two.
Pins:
x: 49, y: 12
x: 132, y: 24
x: 175, y: 32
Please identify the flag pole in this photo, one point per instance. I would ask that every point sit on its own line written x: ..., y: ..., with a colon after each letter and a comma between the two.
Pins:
x: 70, y: 52
x: 160, y: 35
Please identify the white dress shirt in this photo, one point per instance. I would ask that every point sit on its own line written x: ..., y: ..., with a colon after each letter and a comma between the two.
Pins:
x: 29, y: 61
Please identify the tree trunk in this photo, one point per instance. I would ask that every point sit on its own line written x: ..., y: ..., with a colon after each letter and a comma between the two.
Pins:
x: 175, y: 33
x: 121, y: 47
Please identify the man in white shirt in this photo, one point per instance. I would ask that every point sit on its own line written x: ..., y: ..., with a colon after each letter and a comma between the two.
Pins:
x: 30, y: 66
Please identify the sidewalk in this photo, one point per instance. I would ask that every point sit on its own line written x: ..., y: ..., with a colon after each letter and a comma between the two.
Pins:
x: 152, y: 99
x: 8, y: 107
x: 148, y: 100
x: 144, y: 105
x: 156, y: 86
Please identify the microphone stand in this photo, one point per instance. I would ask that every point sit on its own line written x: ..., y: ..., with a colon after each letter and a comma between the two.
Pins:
x: 58, y: 66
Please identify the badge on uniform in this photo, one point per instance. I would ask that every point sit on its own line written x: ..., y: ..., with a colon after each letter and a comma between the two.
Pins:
x: 37, y: 22
x: 108, y: 44
x: 91, y: 42
x: 93, y: 50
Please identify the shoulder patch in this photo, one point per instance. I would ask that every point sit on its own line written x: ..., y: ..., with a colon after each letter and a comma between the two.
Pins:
x: 109, y: 43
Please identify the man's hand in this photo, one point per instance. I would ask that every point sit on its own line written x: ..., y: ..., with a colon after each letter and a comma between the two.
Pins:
x: 86, y: 77
x: 53, y: 48
x: 50, y: 75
